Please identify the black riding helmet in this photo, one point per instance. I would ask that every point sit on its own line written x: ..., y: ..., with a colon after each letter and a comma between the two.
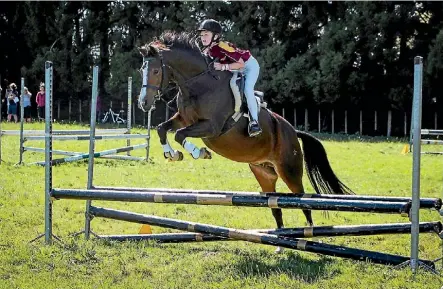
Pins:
x: 213, y: 26
x: 210, y: 25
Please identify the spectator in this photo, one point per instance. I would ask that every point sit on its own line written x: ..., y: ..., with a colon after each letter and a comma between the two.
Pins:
x: 27, y: 104
x: 12, y: 102
x: 40, y: 99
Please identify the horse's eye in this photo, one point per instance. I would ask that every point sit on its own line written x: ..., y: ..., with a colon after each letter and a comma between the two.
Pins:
x: 156, y: 71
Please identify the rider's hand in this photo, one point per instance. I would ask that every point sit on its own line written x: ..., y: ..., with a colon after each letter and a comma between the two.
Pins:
x: 218, y: 66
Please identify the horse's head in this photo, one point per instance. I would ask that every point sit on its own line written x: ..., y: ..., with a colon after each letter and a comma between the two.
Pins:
x: 154, y: 75
x: 173, y: 58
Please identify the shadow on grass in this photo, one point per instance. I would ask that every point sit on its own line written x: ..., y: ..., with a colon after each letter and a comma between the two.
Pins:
x: 290, y: 263
x: 255, y: 263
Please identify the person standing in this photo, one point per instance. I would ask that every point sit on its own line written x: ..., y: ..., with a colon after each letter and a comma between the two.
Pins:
x: 12, y: 102
x: 27, y: 104
x: 40, y: 99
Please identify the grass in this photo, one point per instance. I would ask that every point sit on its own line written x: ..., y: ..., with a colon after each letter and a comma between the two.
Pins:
x: 370, y: 166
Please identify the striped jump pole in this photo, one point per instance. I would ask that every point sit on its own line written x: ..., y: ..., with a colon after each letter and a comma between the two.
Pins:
x: 431, y: 141
x: 96, y: 154
x: 87, y: 137
x: 67, y: 153
x: 64, y: 132
x: 235, y: 200
x: 432, y: 132
x: 303, y: 232
x: 425, y: 203
x: 260, y: 238
x: 432, y: 153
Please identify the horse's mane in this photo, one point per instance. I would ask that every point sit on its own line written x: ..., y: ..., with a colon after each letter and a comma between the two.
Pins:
x: 180, y: 40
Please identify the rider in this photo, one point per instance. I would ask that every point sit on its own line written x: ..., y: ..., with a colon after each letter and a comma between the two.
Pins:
x: 232, y: 58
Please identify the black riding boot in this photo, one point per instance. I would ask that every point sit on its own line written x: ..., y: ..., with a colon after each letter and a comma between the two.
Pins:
x: 254, y: 128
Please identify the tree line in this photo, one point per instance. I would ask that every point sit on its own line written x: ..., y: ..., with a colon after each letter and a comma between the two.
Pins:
x: 312, y: 54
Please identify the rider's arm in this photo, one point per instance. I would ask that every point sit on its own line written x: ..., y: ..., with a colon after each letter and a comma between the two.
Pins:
x: 236, y: 65
x: 234, y: 54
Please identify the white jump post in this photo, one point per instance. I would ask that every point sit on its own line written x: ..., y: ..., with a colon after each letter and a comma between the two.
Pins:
x: 48, y: 151
x: 129, y: 114
x: 22, y: 118
x: 91, y: 148
x: 417, y: 114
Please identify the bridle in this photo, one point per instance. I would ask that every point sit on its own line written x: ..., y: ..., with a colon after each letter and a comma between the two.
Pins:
x: 161, y: 90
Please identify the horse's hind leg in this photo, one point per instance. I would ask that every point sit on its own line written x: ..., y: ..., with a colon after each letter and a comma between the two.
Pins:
x: 267, y: 178
x: 291, y: 172
x: 174, y: 123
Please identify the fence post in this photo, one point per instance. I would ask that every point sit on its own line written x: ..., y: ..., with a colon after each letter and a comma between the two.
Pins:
x: 333, y: 121
x: 283, y: 113
x: 389, y: 123
x: 405, y: 131
x: 346, y: 122
x: 69, y: 110
x: 306, y: 120
x: 58, y: 110
x: 375, y: 120
x: 319, y: 121
x: 361, y: 122
x: 80, y: 110
x: 295, y: 118
x: 435, y: 120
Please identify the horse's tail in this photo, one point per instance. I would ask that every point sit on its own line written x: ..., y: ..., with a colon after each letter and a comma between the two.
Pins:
x: 319, y: 171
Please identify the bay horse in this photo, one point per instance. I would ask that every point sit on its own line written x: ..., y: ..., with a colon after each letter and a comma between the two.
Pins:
x: 205, y: 107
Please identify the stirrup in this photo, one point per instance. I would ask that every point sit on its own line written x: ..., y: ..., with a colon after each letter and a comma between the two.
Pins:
x: 254, y: 128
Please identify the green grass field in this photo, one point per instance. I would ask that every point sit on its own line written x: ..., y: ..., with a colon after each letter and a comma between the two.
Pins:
x: 368, y: 166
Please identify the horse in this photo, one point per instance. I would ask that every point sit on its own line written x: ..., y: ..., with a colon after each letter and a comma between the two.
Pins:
x: 205, y: 108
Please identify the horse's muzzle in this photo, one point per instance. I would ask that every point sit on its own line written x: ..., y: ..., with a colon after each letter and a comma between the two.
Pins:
x: 145, y: 106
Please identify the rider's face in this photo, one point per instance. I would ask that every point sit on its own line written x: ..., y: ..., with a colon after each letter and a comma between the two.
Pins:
x: 205, y: 37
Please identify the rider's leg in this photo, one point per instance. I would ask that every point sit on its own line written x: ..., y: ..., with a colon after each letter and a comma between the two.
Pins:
x: 252, y: 70
x: 235, y: 91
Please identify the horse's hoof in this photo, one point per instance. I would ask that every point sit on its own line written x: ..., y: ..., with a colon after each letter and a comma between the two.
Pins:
x: 180, y: 155
x: 205, y: 154
x: 279, y: 250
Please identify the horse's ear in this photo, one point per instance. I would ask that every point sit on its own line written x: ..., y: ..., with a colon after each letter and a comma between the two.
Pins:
x: 143, y: 50
x: 152, y: 51
x: 147, y: 50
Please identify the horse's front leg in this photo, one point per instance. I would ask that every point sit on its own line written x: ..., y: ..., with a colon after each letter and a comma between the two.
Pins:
x: 174, y: 123
x: 200, y: 129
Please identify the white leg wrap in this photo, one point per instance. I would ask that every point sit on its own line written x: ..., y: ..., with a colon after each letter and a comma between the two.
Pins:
x: 192, y: 149
x: 168, y: 149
